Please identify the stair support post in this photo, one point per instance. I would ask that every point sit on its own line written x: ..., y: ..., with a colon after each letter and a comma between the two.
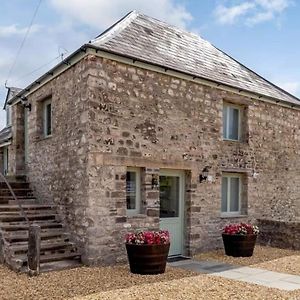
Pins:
x: 34, y: 246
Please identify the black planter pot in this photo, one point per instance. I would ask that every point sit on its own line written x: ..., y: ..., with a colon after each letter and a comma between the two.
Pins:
x: 147, y: 259
x: 237, y: 245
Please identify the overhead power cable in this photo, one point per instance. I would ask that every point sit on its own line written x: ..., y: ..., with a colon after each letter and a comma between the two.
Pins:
x: 23, y: 41
x: 39, y: 68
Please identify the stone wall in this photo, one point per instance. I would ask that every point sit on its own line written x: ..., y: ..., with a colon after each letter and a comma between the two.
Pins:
x: 16, y: 155
x: 280, y: 234
x: 144, y: 119
x: 1, y: 160
x: 57, y: 165
x: 108, y: 116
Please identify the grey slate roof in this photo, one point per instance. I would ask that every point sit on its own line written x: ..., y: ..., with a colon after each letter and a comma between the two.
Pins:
x: 156, y: 42
x: 5, y: 135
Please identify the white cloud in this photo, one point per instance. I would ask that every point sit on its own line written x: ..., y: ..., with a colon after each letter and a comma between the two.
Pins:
x: 14, y: 29
x: 229, y: 15
x: 292, y: 87
x: 102, y: 13
x: 251, y: 12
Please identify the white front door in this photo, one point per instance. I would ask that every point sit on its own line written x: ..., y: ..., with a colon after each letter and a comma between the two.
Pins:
x: 171, y: 190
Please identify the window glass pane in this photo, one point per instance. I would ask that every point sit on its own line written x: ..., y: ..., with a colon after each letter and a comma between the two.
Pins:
x: 224, y: 194
x: 131, y: 190
x: 234, y: 193
x: 169, y: 196
x: 233, y: 133
x: 48, y: 119
x: 225, y: 114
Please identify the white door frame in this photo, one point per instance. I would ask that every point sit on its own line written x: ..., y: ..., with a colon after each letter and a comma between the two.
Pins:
x: 181, y: 175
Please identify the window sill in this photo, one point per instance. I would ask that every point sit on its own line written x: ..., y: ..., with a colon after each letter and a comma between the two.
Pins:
x: 234, y: 141
x: 136, y: 216
x: 232, y: 216
x: 45, y: 137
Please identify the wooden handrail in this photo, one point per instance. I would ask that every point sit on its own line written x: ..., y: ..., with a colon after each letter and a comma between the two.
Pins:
x: 15, y: 198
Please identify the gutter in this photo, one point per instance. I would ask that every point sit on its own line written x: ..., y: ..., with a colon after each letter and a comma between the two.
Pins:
x: 87, y: 49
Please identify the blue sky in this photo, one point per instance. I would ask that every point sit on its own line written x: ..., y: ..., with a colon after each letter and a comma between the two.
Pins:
x: 262, y: 34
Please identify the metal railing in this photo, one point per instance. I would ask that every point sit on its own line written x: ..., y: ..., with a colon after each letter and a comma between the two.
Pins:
x: 23, y: 213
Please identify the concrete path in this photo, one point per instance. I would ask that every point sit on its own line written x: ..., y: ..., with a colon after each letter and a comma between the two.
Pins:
x: 251, y: 275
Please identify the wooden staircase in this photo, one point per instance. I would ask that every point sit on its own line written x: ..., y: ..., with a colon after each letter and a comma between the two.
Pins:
x: 57, y: 248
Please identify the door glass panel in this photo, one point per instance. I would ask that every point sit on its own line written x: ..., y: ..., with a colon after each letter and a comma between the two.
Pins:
x: 169, y: 196
x: 234, y: 193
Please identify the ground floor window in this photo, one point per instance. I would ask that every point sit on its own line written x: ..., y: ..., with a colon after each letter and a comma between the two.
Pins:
x: 133, y: 191
x: 231, y: 194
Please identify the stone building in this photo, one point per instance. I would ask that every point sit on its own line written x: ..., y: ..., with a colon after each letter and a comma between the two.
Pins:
x: 149, y: 126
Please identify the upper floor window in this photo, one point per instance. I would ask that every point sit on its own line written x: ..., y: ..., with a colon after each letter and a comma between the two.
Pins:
x: 133, y: 190
x: 8, y: 115
x: 231, y: 122
x: 47, y: 118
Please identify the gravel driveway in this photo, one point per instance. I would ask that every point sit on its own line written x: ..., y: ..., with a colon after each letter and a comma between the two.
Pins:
x: 118, y: 283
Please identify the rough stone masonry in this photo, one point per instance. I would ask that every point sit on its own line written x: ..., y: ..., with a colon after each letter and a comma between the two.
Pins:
x: 108, y: 116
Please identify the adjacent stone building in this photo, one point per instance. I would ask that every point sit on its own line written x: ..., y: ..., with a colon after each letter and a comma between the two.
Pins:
x: 149, y: 126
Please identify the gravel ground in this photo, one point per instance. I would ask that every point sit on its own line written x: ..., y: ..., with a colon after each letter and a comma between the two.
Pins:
x: 76, y: 282
x: 273, y: 259
x: 118, y: 283
x: 196, y: 288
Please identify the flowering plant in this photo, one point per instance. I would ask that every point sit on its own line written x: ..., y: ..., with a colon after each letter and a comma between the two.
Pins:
x: 148, y: 237
x: 241, y: 228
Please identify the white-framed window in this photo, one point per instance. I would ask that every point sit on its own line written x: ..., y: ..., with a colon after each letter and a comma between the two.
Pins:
x: 231, y: 122
x: 133, y: 191
x: 47, y: 118
x: 8, y: 115
x: 231, y: 194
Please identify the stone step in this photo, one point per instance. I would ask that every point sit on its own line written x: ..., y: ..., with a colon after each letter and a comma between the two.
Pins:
x: 29, y: 212
x: 61, y: 264
x: 15, y: 185
x: 26, y: 207
x: 17, y: 192
x: 22, y: 247
x: 23, y: 201
x: 57, y: 250
x: 23, y: 225
x: 22, y: 235
x: 10, y: 197
x: 6, y: 217
x: 46, y: 258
